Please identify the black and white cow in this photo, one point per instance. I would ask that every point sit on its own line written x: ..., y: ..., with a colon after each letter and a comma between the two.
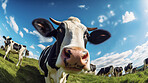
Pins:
x: 134, y: 70
x: 68, y: 54
x: 2, y: 47
x: 106, y: 71
x: 92, y: 69
x: 145, y: 63
x: 118, y: 71
x: 11, y: 46
x: 128, y: 68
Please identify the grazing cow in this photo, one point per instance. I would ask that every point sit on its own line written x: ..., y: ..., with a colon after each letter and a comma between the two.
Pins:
x: 68, y: 54
x: 106, y: 71
x: 2, y: 47
x: 27, y: 53
x: 145, y: 63
x: 128, y: 68
x: 14, y: 47
x: 118, y: 71
x: 134, y: 70
x: 92, y: 69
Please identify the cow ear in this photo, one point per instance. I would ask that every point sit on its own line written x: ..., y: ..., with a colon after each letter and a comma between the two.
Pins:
x: 4, y: 37
x: 9, y: 38
x: 44, y: 27
x: 98, y: 36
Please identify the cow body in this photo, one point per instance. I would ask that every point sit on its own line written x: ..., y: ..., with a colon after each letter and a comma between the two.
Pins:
x: 145, y: 63
x: 106, y: 71
x: 68, y: 54
x: 118, y: 71
x: 11, y: 46
x: 128, y: 68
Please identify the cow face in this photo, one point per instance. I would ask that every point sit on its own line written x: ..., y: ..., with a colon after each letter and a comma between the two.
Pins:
x: 72, y: 37
x: 7, y: 40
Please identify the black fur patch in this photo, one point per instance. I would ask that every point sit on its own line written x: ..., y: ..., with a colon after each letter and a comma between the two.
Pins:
x: 16, y: 46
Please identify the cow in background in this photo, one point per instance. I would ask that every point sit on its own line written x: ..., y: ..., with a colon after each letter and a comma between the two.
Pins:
x: 145, y: 63
x: 106, y: 71
x: 2, y: 47
x: 11, y: 46
x: 128, y: 68
x: 118, y: 71
x: 134, y: 70
x: 68, y: 54
x: 92, y: 69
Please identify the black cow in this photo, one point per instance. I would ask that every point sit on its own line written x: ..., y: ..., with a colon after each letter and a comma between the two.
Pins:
x: 106, y: 71
x: 68, y: 54
x: 118, y: 71
x: 128, y: 68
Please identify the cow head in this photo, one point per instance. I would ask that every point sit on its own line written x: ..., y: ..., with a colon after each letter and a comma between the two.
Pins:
x: 72, y: 37
x: 7, y: 40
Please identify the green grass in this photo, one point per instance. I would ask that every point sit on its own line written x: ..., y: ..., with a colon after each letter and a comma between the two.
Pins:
x: 29, y: 72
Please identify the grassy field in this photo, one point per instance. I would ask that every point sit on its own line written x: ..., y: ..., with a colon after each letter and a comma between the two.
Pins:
x: 29, y: 72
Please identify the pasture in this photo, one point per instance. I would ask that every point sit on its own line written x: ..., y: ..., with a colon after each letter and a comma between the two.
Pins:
x: 29, y: 72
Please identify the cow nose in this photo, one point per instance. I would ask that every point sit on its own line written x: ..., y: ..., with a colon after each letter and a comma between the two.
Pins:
x: 75, y: 56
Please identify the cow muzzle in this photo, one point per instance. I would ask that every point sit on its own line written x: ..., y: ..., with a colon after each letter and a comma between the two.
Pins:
x: 74, y: 59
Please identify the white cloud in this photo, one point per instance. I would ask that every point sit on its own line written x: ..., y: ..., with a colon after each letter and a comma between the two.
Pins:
x: 139, y: 54
x: 26, y: 30
x: 37, y: 52
x: 4, y: 5
x: 1, y: 40
x: 102, y: 18
x: 13, y: 24
x: 146, y: 35
x: 115, y: 59
x: 41, y: 46
x: 116, y: 23
x: 101, y: 25
x: 129, y: 16
x: 41, y: 38
x: 112, y: 13
x: 32, y: 47
x: 108, y: 5
x: 124, y: 38
x: 31, y: 55
x: 21, y: 34
x: 99, y: 53
x: 5, y: 27
x: 92, y: 22
x: 81, y: 6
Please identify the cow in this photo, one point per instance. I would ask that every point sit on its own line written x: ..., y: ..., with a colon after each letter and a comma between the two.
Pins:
x: 118, y: 71
x: 68, y: 54
x: 128, y: 68
x: 106, y: 71
x: 27, y: 53
x: 11, y: 46
x: 2, y: 47
x: 92, y: 69
x: 145, y: 63
x: 134, y: 70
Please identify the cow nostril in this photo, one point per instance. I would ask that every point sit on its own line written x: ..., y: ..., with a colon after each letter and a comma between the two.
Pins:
x: 85, y: 55
x: 67, y: 53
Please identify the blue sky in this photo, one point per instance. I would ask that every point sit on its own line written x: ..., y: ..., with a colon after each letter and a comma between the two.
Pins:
x: 126, y: 20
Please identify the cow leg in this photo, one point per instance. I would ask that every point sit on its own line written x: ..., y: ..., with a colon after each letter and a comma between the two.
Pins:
x: 20, y: 58
x: 8, y: 50
x: 48, y: 79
